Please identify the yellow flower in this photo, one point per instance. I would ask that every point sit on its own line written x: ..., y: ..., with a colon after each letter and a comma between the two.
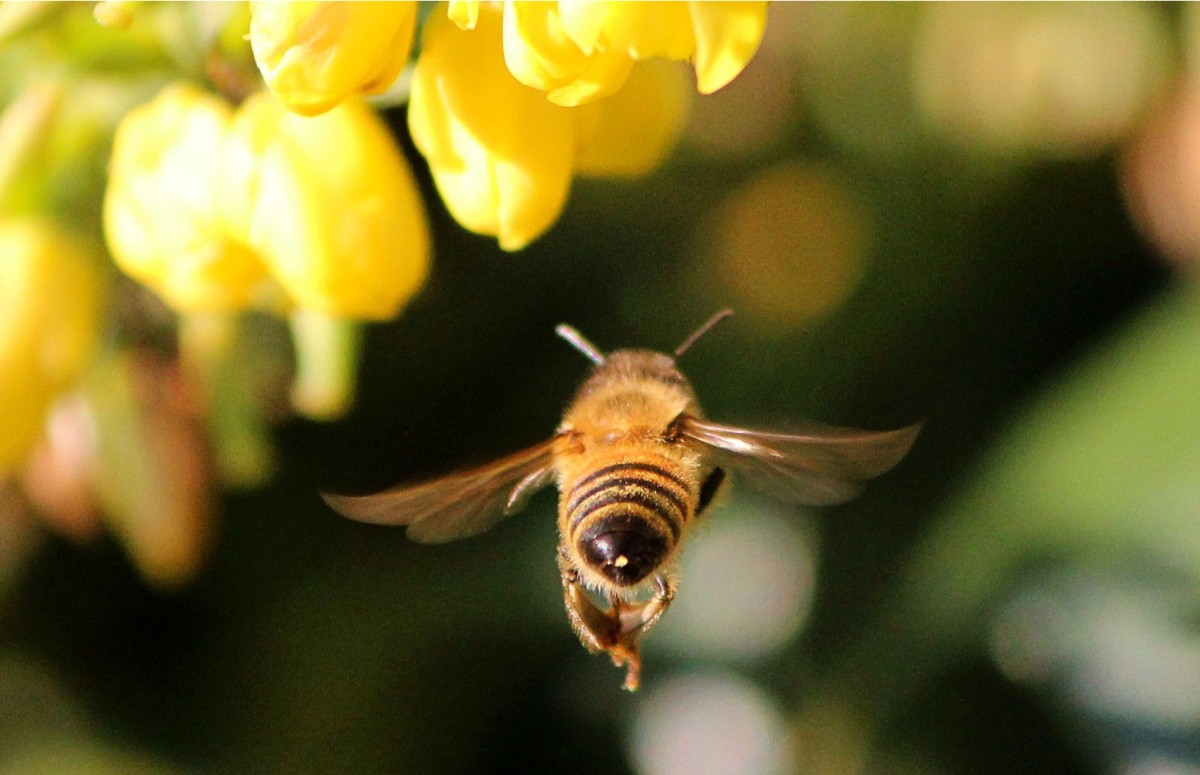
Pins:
x: 217, y: 209
x: 501, y: 155
x: 328, y: 204
x: 315, y: 54
x: 160, y: 217
x: 50, y: 301
x: 579, y: 50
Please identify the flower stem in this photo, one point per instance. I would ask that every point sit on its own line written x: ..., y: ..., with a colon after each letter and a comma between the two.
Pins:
x: 327, y: 350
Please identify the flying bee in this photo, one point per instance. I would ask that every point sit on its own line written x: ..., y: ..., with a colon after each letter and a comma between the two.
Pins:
x: 636, y: 464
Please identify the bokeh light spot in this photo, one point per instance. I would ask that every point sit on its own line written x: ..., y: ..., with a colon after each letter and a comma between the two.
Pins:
x: 853, y: 63
x: 1053, y: 78
x: 748, y: 579
x: 1160, y: 765
x: 1119, y: 647
x: 1161, y: 177
x: 790, y: 245
x: 712, y: 724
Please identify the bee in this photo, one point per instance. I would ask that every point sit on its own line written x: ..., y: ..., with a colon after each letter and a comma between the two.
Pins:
x: 636, y: 465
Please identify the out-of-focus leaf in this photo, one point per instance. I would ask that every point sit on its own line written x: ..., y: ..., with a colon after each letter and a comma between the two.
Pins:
x: 24, y: 126
x: 18, y: 18
x: 1106, y: 463
x: 1108, y: 460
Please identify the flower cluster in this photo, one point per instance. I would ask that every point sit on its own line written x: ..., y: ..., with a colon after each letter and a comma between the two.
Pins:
x: 510, y: 101
x: 254, y: 190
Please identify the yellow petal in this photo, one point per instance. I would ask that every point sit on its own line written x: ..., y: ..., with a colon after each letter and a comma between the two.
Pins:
x: 160, y: 212
x: 315, y: 54
x: 636, y: 128
x: 540, y: 55
x: 536, y: 50
x: 583, y: 22
x: 464, y: 13
x: 605, y: 74
x: 500, y: 154
x: 719, y: 37
x: 727, y: 37
x: 332, y: 207
x: 650, y: 29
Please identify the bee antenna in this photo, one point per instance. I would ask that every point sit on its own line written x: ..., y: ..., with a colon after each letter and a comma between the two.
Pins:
x: 580, y: 343
x: 701, y: 331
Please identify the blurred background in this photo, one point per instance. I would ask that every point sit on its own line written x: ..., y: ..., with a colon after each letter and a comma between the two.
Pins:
x: 985, y: 217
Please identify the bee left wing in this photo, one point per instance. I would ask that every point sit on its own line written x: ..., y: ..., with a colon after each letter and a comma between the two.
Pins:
x: 820, y: 468
x: 458, y: 505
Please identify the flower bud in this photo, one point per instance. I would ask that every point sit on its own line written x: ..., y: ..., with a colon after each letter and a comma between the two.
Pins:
x: 51, y: 293
x: 328, y: 204
x: 474, y: 122
x: 315, y: 54
x: 160, y: 214
x: 500, y: 154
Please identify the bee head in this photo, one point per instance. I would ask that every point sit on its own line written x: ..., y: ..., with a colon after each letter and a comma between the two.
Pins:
x: 623, y: 548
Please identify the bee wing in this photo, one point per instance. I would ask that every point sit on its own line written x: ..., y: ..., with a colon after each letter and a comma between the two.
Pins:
x: 820, y: 468
x: 458, y: 505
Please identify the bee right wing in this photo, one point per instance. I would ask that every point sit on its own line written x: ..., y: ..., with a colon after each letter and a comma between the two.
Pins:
x: 820, y: 468
x: 458, y: 505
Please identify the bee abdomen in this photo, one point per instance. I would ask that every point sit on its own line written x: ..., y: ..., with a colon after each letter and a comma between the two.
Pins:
x: 634, y: 486
x: 633, y: 503
x: 625, y: 518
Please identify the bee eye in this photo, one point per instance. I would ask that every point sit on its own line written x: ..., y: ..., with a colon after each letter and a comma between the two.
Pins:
x: 624, y: 550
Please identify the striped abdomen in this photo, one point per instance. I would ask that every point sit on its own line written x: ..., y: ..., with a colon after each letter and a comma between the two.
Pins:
x: 625, y: 518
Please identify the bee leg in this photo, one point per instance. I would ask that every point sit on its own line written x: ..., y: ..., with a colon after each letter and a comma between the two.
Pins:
x: 598, y: 630
x: 628, y: 655
x: 636, y: 621
x: 649, y: 614
x: 624, y: 648
x: 618, y: 630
